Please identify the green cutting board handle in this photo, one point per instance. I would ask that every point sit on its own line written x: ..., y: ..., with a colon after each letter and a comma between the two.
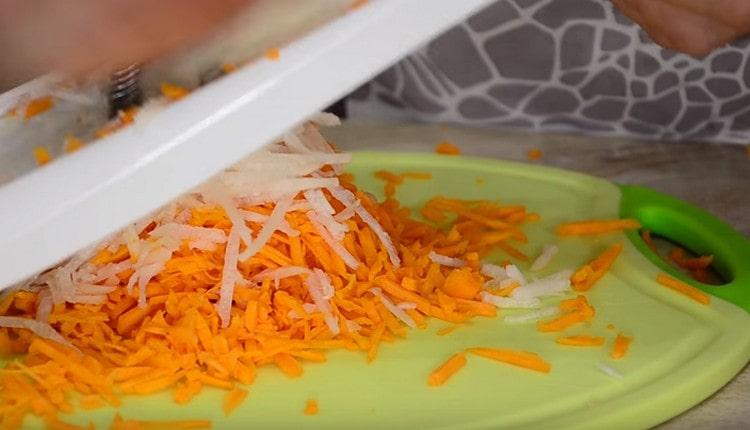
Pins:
x: 699, y: 232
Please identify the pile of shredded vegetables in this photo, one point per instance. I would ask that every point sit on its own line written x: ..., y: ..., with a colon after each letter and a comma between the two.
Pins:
x: 275, y: 261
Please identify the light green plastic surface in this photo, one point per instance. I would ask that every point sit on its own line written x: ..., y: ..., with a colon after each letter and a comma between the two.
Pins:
x: 682, y: 352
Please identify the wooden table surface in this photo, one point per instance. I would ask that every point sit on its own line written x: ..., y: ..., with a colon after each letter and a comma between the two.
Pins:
x: 714, y: 177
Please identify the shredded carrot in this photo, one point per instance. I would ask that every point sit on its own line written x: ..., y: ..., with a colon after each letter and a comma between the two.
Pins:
x: 446, y: 370
x: 446, y: 330
x: 580, y: 340
x: 527, y: 360
x: 38, y: 106
x: 118, y: 423
x: 534, y: 154
x: 173, y: 92
x: 585, y: 277
x: 575, y: 311
x: 42, y: 156
x: 356, y: 4
x: 311, y: 407
x: 72, y: 144
x: 596, y: 227
x: 447, y: 148
x: 233, y: 399
x: 646, y: 236
x: 462, y: 283
x: 683, y: 288
x: 621, y: 346
x: 228, y: 68
x: 273, y: 54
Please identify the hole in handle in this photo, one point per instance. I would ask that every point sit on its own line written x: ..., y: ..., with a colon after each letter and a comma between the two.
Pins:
x: 682, y: 259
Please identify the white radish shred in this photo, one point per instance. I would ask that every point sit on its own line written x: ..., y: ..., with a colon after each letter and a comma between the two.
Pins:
x: 609, y: 370
x: 552, y: 285
x: 543, y: 260
x: 281, y: 273
x: 508, y: 302
x: 493, y: 271
x: 41, y: 329
x: 532, y: 316
x: 272, y: 224
x: 513, y: 273
x: 322, y: 305
x: 444, y: 260
x: 335, y: 245
x: 392, y: 308
x: 229, y: 277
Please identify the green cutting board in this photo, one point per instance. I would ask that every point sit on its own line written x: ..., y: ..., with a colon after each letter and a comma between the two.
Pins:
x: 682, y: 352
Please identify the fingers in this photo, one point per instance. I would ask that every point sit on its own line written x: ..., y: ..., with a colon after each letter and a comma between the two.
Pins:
x: 734, y: 13
x: 677, y: 28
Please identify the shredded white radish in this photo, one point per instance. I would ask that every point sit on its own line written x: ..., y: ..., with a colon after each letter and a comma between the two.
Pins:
x: 281, y: 273
x: 513, y: 273
x: 532, y: 316
x: 508, y: 302
x: 493, y: 271
x: 554, y: 284
x: 315, y: 289
x: 392, y: 308
x: 44, y: 306
x: 335, y: 245
x: 41, y: 329
x: 548, y: 252
x: 444, y: 260
x: 265, y: 233
x: 229, y: 277
x: 609, y: 370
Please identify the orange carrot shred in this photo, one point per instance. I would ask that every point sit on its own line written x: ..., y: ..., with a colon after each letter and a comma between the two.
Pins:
x: 621, y: 346
x: 42, y: 156
x: 580, y: 340
x: 596, y: 227
x: 534, y: 154
x: 527, y: 360
x: 72, y: 144
x: 646, y: 236
x: 446, y: 370
x: 311, y: 407
x: 447, y: 148
x: 273, y: 54
x: 173, y: 92
x: 585, y: 277
x: 683, y: 288
x: 233, y: 399
x: 38, y: 106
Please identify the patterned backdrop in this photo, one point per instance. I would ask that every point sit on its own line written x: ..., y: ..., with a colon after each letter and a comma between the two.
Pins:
x: 564, y: 65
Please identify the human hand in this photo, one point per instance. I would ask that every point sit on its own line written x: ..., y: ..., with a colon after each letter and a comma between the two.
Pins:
x: 37, y: 36
x: 695, y: 27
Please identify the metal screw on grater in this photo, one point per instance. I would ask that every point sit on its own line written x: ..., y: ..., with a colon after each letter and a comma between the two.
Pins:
x: 125, y: 89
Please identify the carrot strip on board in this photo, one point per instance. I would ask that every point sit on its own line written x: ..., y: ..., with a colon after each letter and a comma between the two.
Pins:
x: 119, y: 423
x: 596, y: 227
x: 585, y: 277
x: 42, y: 156
x: 580, y: 340
x: 38, y: 106
x: 534, y: 154
x: 173, y: 92
x: 447, y: 148
x: 311, y: 407
x: 273, y: 54
x: 621, y: 346
x: 576, y: 311
x: 446, y: 370
x: 527, y: 360
x: 446, y: 330
x: 683, y: 288
x: 233, y: 399
x: 72, y: 144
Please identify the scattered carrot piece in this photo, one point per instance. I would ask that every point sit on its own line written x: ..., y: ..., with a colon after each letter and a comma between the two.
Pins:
x: 173, y: 92
x: 118, y: 423
x: 228, y: 68
x: 273, y: 54
x: 528, y: 360
x: 575, y: 310
x: 449, y: 368
x: 446, y: 330
x: 356, y: 4
x: 534, y: 154
x: 585, y: 277
x: 311, y: 407
x: 72, y: 144
x: 38, y: 106
x: 233, y: 399
x: 596, y: 227
x: 447, y: 148
x: 580, y: 340
x: 683, y: 288
x: 621, y: 346
x: 646, y: 236
x: 462, y: 283
x: 42, y: 156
